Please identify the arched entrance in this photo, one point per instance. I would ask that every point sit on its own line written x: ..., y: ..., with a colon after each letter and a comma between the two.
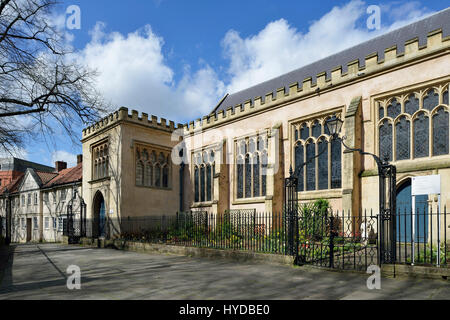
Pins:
x: 405, y: 218
x: 99, y: 223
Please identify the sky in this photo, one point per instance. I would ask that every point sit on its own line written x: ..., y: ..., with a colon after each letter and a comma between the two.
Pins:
x: 176, y: 59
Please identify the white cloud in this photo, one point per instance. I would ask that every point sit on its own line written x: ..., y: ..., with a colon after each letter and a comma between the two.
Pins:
x: 280, y: 47
x: 65, y: 156
x: 134, y: 71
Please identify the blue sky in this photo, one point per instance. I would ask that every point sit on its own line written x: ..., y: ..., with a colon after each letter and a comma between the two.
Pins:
x: 176, y: 59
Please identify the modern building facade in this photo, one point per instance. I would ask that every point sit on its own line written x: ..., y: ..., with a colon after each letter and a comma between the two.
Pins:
x: 12, y: 168
x: 392, y: 93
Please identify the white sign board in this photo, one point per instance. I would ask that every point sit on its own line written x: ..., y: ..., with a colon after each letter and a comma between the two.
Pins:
x: 426, y: 185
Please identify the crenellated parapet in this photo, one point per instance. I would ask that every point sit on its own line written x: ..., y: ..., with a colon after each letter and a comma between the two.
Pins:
x: 123, y: 115
x: 328, y: 80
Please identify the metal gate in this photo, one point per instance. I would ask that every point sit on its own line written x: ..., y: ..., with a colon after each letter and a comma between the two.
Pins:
x: 342, y: 240
x: 75, y: 223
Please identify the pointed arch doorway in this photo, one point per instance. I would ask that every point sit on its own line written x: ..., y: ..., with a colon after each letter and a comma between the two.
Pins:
x: 404, y: 215
x: 99, y: 225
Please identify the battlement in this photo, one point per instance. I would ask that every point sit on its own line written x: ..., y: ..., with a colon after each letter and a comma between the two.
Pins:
x: 122, y: 115
x: 354, y: 70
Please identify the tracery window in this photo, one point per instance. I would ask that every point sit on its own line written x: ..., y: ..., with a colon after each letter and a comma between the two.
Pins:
x: 100, y: 161
x: 324, y: 171
x: 415, y: 124
x: 152, y: 167
x: 251, y: 166
x: 204, y: 168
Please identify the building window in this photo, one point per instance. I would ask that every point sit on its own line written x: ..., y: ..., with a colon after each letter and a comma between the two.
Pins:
x: 204, y: 166
x: 54, y: 222
x: 29, y: 199
x: 251, y: 166
x: 22, y: 223
x: 63, y: 194
x: 47, y: 223
x: 35, y: 198
x: 46, y: 197
x: 318, y: 162
x: 152, y: 168
x: 409, y: 123
x: 100, y: 161
x: 35, y: 223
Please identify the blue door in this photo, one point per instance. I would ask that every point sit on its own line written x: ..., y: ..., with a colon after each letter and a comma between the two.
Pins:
x: 404, y: 217
x: 102, y: 221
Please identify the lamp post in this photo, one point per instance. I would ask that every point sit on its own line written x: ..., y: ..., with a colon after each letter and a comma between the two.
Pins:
x: 387, y: 196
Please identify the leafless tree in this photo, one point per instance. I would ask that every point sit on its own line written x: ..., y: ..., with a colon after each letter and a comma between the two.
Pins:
x: 42, y: 87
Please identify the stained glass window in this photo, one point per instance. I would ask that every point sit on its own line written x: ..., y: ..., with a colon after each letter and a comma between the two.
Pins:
x: 256, y: 176
x: 265, y: 162
x: 240, y: 178
x: 381, y: 111
x: 299, y: 160
x: 316, y: 129
x: 196, y: 184
x: 304, y: 132
x: 139, y: 173
x: 421, y: 134
x: 148, y: 175
x: 402, y: 135
x: 336, y: 164
x: 310, y: 166
x: 440, y: 132
x: 431, y: 100
x: 386, y: 141
x: 323, y: 164
x: 248, y: 177
x: 202, y: 183
x: 412, y: 104
x: 394, y: 109
x: 208, y: 182
x: 166, y: 177
x: 158, y: 175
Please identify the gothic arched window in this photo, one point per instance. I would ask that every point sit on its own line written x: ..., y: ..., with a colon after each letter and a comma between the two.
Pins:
x: 394, y: 109
x: 139, y: 173
x: 411, y: 105
x: 445, y: 97
x: 251, y: 167
x: 431, y: 100
x: 402, y: 138
x: 240, y: 177
x: 421, y: 136
x: 299, y: 160
x: 304, y: 132
x: 316, y: 129
x: 440, y: 132
x: 166, y: 176
x: 196, y: 184
x: 322, y: 147
x: 386, y: 140
x: 336, y: 164
x: 203, y: 179
x: 310, y: 166
x: 151, y: 170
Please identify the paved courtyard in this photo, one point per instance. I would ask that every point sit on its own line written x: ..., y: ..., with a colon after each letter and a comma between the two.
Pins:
x: 39, y: 272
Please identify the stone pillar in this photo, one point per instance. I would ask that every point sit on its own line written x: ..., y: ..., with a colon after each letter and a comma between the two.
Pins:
x: 275, y: 174
x: 221, y: 198
x: 352, y: 161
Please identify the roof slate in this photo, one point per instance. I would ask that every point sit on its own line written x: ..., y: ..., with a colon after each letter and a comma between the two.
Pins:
x: 399, y: 37
x: 66, y: 176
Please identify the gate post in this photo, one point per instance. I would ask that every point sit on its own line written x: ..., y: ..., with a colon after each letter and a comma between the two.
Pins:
x: 291, y: 213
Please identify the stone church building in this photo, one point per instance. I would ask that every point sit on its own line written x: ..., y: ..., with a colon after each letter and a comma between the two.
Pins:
x: 392, y: 93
